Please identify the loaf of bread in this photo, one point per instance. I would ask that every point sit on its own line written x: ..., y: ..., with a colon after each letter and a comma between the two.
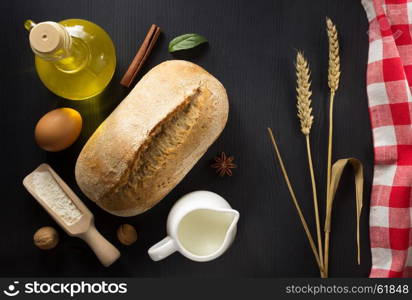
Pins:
x: 153, y: 138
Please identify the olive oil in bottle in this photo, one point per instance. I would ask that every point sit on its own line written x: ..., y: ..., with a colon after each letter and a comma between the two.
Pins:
x: 75, y: 58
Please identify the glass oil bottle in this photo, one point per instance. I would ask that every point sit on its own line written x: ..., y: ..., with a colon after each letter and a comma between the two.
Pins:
x: 75, y: 58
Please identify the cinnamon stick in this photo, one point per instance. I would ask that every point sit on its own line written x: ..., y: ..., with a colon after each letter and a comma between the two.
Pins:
x: 141, y: 55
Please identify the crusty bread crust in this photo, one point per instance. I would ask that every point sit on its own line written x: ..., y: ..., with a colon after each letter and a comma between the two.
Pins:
x: 153, y: 138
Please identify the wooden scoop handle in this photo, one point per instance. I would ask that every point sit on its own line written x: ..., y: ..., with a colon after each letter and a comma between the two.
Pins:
x: 104, y: 250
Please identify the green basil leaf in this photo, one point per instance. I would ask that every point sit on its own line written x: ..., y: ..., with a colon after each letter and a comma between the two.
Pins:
x: 186, y: 41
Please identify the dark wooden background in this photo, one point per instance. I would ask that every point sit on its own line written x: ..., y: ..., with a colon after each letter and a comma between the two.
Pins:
x: 252, y: 45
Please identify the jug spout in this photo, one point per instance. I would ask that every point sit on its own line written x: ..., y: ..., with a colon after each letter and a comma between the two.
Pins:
x: 231, y: 230
x: 230, y: 220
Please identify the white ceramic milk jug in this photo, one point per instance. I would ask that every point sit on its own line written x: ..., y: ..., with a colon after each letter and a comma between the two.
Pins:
x: 201, y: 226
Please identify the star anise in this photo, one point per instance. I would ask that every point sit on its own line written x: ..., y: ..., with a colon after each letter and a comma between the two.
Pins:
x: 224, y: 165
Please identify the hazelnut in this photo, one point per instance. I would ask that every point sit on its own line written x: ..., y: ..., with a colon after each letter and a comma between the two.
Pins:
x: 126, y: 234
x: 46, y: 238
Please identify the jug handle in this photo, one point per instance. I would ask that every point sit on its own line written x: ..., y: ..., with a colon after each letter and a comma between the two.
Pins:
x: 162, y: 249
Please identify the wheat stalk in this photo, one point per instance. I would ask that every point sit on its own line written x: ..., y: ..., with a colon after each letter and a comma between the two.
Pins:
x: 295, y: 201
x: 333, y: 82
x: 303, y: 94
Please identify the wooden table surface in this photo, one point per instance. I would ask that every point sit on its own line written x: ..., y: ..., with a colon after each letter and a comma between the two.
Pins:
x: 252, y: 45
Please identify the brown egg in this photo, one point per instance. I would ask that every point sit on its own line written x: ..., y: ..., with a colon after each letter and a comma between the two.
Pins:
x: 58, y: 129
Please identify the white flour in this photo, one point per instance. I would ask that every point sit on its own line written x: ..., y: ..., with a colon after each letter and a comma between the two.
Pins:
x: 47, y: 188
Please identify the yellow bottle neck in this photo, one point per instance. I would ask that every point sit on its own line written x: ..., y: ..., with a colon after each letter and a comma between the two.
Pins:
x: 52, y: 42
x: 75, y: 57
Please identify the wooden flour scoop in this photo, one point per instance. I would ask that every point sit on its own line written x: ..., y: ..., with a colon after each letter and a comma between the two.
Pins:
x: 83, y: 226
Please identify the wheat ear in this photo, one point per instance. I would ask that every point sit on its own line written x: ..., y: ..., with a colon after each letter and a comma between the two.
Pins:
x: 334, y: 60
x: 306, y: 120
x: 303, y: 94
x: 294, y: 200
x: 333, y: 82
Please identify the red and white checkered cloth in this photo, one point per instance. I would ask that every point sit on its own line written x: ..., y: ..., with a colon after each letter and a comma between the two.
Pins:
x: 389, y: 81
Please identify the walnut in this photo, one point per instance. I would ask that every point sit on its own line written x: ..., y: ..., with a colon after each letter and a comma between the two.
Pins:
x: 46, y: 238
x: 126, y: 234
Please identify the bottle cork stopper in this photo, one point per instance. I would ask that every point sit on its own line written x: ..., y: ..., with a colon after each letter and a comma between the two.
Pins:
x: 46, y: 37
